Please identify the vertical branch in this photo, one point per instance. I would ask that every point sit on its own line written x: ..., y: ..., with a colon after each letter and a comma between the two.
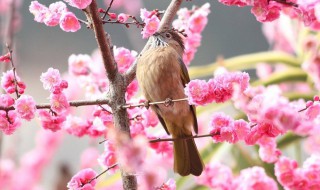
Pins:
x: 7, y: 25
x: 100, y: 35
x: 118, y: 82
x: 169, y: 15
x: 117, y: 88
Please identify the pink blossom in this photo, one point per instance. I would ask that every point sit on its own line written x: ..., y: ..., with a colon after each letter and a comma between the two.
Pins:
x: 5, y: 58
x: 54, y: 13
x: 260, y: 130
x: 216, y: 176
x: 188, y: 55
x: 50, y: 121
x: 122, y: 17
x: 265, y: 10
x: 88, y: 158
x: 69, y: 22
x: 132, y: 89
x: 241, y: 128
x: 80, y: 180
x: 105, y: 116
x: 254, y: 178
x: 25, y: 107
x: 197, y: 92
x: 38, y: 10
x: 198, y: 21
x: 150, y: 118
x: 220, y: 90
x: 163, y: 148
x: 268, y: 151
x: 112, y: 15
x: 8, y: 83
x: 124, y: 58
x: 239, y: 3
x: 151, y: 26
x: 131, y: 153
x: 307, y: 7
x: 50, y: 79
x: 108, y: 158
x: 82, y: 4
x: 75, y: 126
x: 313, y: 111
x: 59, y: 103
x: 9, y: 122
x: 222, y: 128
x: 97, y: 128
x: 79, y: 64
x: 6, y: 100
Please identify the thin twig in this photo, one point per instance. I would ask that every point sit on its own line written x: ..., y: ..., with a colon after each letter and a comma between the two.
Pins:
x: 137, y: 23
x: 76, y: 103
x: 14, y: 71
x: 180, y: 138
x: 303, y: 109
x: 107, y: 11
x: 174, y: 139
x: 147, y: 104
x: 109, y: 168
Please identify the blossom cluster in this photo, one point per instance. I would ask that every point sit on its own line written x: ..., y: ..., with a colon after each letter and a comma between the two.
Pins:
x: 24, y: 105
x: 58, y: 14
x: 192, y: 22
x: 32, y: 163
x: 219, y: 89
x: 151, y: 20
x: 265, y: 10
x: 292, y: 177
x: 219, y: 176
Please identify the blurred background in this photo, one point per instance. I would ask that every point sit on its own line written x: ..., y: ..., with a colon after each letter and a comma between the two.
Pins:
x: 231, y: 31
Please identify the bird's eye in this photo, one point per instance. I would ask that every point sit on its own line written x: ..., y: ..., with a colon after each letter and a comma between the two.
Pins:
x: 168, y: 35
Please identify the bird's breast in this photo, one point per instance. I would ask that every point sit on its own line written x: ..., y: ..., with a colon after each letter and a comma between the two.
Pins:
x: 159, y: 76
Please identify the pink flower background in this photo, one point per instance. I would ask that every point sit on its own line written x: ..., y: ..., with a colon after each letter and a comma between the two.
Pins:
x: 40, y: 47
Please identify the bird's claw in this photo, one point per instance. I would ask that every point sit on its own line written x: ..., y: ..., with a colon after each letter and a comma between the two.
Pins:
x: 168, y: 102
x: 147, y: 104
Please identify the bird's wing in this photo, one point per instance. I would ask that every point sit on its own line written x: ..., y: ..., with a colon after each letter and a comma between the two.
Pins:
x: 185, y: 79
x: 156, y: 109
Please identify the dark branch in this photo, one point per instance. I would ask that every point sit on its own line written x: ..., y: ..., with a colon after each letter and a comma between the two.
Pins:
x: 77, y: 103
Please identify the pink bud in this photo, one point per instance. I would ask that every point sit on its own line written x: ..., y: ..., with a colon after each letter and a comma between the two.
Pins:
x: 316, y: 98
x: 122, y: 17
x: 5, y: 58
x: 112, y: 16
x: 64, y: 84
x: 101, y: 10
x: 309, y: 103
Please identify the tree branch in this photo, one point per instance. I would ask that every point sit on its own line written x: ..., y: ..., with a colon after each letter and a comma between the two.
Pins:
x: 169, y: 15
x: 167, y: 102
x: 100, y: 35
x: 77, y: 103
x: 174, y: 139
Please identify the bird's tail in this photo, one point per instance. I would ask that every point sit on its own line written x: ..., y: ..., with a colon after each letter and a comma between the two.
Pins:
x: 187, y: 159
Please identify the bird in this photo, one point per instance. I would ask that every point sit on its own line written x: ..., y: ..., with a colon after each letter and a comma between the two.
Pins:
x: 162, y: 75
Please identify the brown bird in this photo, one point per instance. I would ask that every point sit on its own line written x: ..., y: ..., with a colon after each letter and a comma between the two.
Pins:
x: 162, y: 75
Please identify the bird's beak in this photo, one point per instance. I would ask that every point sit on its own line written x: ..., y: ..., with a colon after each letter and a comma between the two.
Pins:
x: 156, y: 34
